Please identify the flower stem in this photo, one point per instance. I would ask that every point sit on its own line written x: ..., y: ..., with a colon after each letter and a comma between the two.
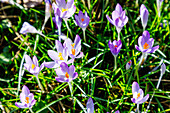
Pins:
x: 84, y: 34
x: 59, y: 32
x: 115, y: 65
x: 70, y: 87
x: 68, y: 28
x: 31, y: 110
x: 138, y: 108
x: 39, y: 84
x: 118, y: 36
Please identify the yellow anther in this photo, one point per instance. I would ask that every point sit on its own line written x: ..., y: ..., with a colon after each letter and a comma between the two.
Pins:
x: 73, y: 45
x: 60, y: 56
x: 145, y: 46
x: 33, y: 66
x: 67, y: 75
x: 64, y: 9
x: 138, y: 95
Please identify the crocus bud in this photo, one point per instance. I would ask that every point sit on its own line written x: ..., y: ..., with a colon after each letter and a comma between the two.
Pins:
x: 144, y: 14
x: 128, y: 65
x: 163, y: 68
x: 90, y: 106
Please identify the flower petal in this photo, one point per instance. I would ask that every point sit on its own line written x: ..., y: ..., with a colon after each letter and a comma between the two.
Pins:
x: 59, y: 46
x: 90, y: 106
x: 53, y: 55
x: 64, y: 67
x: 144, y: 99
x: 51, y: 64
x: 71, y: 70
x: 20, y: 105
x: 119, y: 8
x: 135, y: 87
x: 110, y: 20
x: 28, y: 60
x: 35, y: 61
x: 25, y: 90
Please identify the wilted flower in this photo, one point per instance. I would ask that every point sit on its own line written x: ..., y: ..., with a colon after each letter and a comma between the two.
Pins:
x: 74, y: 48
x: 63, y: 9
x: 90, y: 106
x: 26, y: 98
x: 65, y: 73
x: 144, y: 14
x: 146, y: 43
x: 119, y: 19
x: 58, y: 57
x: 128, y: 65
x: 115, y: 47
x: 82, y: 19
x: 32, y: 65
x: 138, y: 94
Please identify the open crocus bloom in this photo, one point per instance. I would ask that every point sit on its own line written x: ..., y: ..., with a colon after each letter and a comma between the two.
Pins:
x: 58, y: 57
x: 90, y: 106
x: 32, y: 65
x: 63, y: 9
x: 138, y: 94
x: 82, y: 19
x: 115, y: 47
x: 26, y: 98
x: 65, y: 73
x: 146, y: 43
x: 144, y: 14
x: 74, y: 48
x: 119, y: 19
x: 128, y: 65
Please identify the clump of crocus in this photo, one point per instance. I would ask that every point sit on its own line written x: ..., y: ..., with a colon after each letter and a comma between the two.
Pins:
x: 64, y: 10
x: 48, y: 10
x: 90, y: 106
x: 115, y: 47
x: 119, y: 19
x: 65, y: 73
x: 83, y: 21
x: 58, y: 57
x: 146, y: 43
x: 26, y: 98
x: 32, y: 65
x: 128, y: 65
x: 27, y: 28
x: 74, y: 49
x: 144, y: 14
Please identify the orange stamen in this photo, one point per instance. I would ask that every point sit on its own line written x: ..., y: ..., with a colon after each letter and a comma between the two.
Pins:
x: 33, y: 66
x: 73, y: 51
x: 129, y: 62
x: 138, y: 95
x: 60, y: 56
x: 145, y: 46
x: 116, y: 46
x: 82, y: 19
x: 27, y: 100
x: 67, y: 75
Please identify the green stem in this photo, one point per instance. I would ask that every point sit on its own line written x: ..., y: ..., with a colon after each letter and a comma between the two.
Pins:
x: 84, y: 34
x: 118, y: 36
x: 115, y: 64
x: 31, y: 110
x: 68, y: 28
x: 70, y: 87
x: 39, y: 84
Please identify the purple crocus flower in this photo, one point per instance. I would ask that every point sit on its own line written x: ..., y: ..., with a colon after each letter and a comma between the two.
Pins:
x: 63, y: 9
x: 65, y: 73
x: 138, y: 94
x: 90, y: 106
x: 159, y: 3
x: 144, y: 14
x: 32, y: 65
x: 115, y: 47
x: 27, y: 28
x: 58, y: 57
x: 82, y: 19
x: 26, y: 98
x: 57, y: 21
x: 74, y: 48
x: 128, y: 65
x: 119, y: 19
x: 117, y: 111
x: 146, y: 43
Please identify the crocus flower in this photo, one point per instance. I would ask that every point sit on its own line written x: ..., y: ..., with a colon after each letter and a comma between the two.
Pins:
x: 119, y: 19
x: 144, y: 14
x: 57, y: 21
x: 146, y: 43
x: 26, y: 98
x: 117, y: 111
x: 32, y: 65
x: 115, y: 47
x: 74, y: 48
x: 138, y: 94
x: 128, y: 65
x: 65, y: 73
x: 58, y: 57
x: 90, y: 106
x: 82, y: 19
x: 63, y: 9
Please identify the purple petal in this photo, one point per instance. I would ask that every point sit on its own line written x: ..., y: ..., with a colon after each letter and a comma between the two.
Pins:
x: 70, y: 61
x: 59, y: 79
x: 42, y: 66
x: 69, y: 4
x: 115, y: 15
x: 35, y: 60
x: 51, y: 64
x: 119, y: 8
x: 144, y: 17
x: 25, y: 90
x: 90, y: 106
x: 64, y: 67
x: 146, y: 36
x: 75, y: 75
x: 144, y: 99
x: 80, y: 55
x: 59, y: 72
x: 77, y: 41
x: 163, y: 68
x: 31, y: 97
x: 154, y: 49
x: 22, y: 97
x: 28, y: 60
x: 71, y: 70
x: 135, y: 87
x: 133, y: 100
x: 32, y: 103
x: 59, y: 46
x: 27, y: 66
x: 53, y: 55
x: 20, y: 105
x: 110, y: 20
x: 137, y: 48
x: 117, y: 111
